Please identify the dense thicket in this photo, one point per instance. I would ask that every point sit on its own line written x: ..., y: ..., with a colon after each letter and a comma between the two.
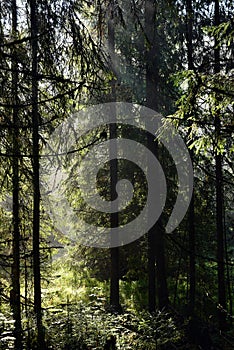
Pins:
x: 164, y: 290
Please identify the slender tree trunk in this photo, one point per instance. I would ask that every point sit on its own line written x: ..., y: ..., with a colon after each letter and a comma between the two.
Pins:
x: 15, y: 293
x: 163, y: 300
x: 156, y: 249
x: 36, y: 184
x: 219, y: 197
x: 114, y: 280
x: 192, y: 241
x: 228, y: 279
x: 192, y: 256
x: 151, y: 102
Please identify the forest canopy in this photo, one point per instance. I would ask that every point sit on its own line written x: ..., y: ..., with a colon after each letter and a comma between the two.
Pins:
x: 63, y: 59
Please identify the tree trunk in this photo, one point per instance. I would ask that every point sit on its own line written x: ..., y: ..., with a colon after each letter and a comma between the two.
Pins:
x: 156, y: 249
x: 114, y: 279
x: 219, y: 196
x: 114, y: 282
x: 36, y: 184
x: 15, y: 292
x: 191, y: 226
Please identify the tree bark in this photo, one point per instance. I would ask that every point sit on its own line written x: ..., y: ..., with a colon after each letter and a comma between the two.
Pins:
x: 114, y: 282
x: 15, y: 292
x: 156, y: 249
x: 191, y: 218
x: 114, y: 219
x: 36, y: 183
x: 219, y: 195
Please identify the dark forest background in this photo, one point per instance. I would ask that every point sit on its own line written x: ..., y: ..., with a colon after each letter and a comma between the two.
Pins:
x: 163, y: 291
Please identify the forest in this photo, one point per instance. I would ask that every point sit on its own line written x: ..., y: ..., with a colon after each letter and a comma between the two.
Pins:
x: 69, y: 278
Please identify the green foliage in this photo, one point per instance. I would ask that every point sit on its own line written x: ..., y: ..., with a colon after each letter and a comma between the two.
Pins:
x: 202, y: 98
x: 6, y: 332
x: 73, y: 71
x: 224, y: 33
x: 89, y: 326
